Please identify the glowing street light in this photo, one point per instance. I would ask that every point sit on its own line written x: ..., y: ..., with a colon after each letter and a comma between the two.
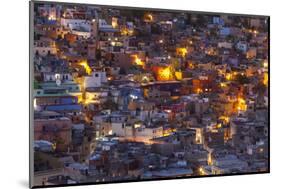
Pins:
x: 228, y: 76
x: 138, y: 61
x: 241, y: 104
x: 86, y: 67
x: 181, y: 51
x: 265, y: 79
x: 51, y: 17
x: 265, y: 64
x: 148, y: 18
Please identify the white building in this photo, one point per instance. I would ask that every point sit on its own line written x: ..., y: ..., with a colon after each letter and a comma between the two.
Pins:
x: 226, y: 45
x: 228, y: 164
x: 76, y: 24
x: 137, y: 131
x: 95, y: 80
x: 44, y: 47
x: 49, y: 76
x: 82, y: 33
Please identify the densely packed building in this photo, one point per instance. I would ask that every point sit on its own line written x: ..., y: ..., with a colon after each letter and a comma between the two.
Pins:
x: 123, y: 94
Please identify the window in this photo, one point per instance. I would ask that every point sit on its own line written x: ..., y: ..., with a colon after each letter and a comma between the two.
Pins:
x: 96, y: 75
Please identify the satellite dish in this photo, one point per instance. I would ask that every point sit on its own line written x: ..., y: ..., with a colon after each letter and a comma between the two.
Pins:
x: 58, y: 82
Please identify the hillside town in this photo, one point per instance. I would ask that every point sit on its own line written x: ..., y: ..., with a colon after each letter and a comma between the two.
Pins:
x: 123, y: 94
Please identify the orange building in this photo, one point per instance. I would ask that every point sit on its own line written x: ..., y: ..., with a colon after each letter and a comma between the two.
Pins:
x: 163, y: 73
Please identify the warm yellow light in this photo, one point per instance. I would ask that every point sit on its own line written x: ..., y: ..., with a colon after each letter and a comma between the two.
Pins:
x: 54, y: 146
x: 224, y: 118
x: 223, y: 84
x: 228, y: 76
x: 181, y: 51
x: 51, y: 17
x: 191, y: 66
x: 126, y: 32
x: 265, y: 79
x: 137, y: 125
x: 138, y: 61
x: 148, y: 18
x: 168, y: 111
x: 86, y: 67
x: 241, y: 100
x: 209, y: 159
x: 241, y: 106
x: 198, y: 91
x: 166, y: 134
x: 165, y: 74
x: 80, y: 99
x: 178, y: 75
x: 34, y: 103
x: 114, y: 22
x: 91, y: 101
x: 145, y: 79
x: 201, y: 171
x: 265, y: 64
